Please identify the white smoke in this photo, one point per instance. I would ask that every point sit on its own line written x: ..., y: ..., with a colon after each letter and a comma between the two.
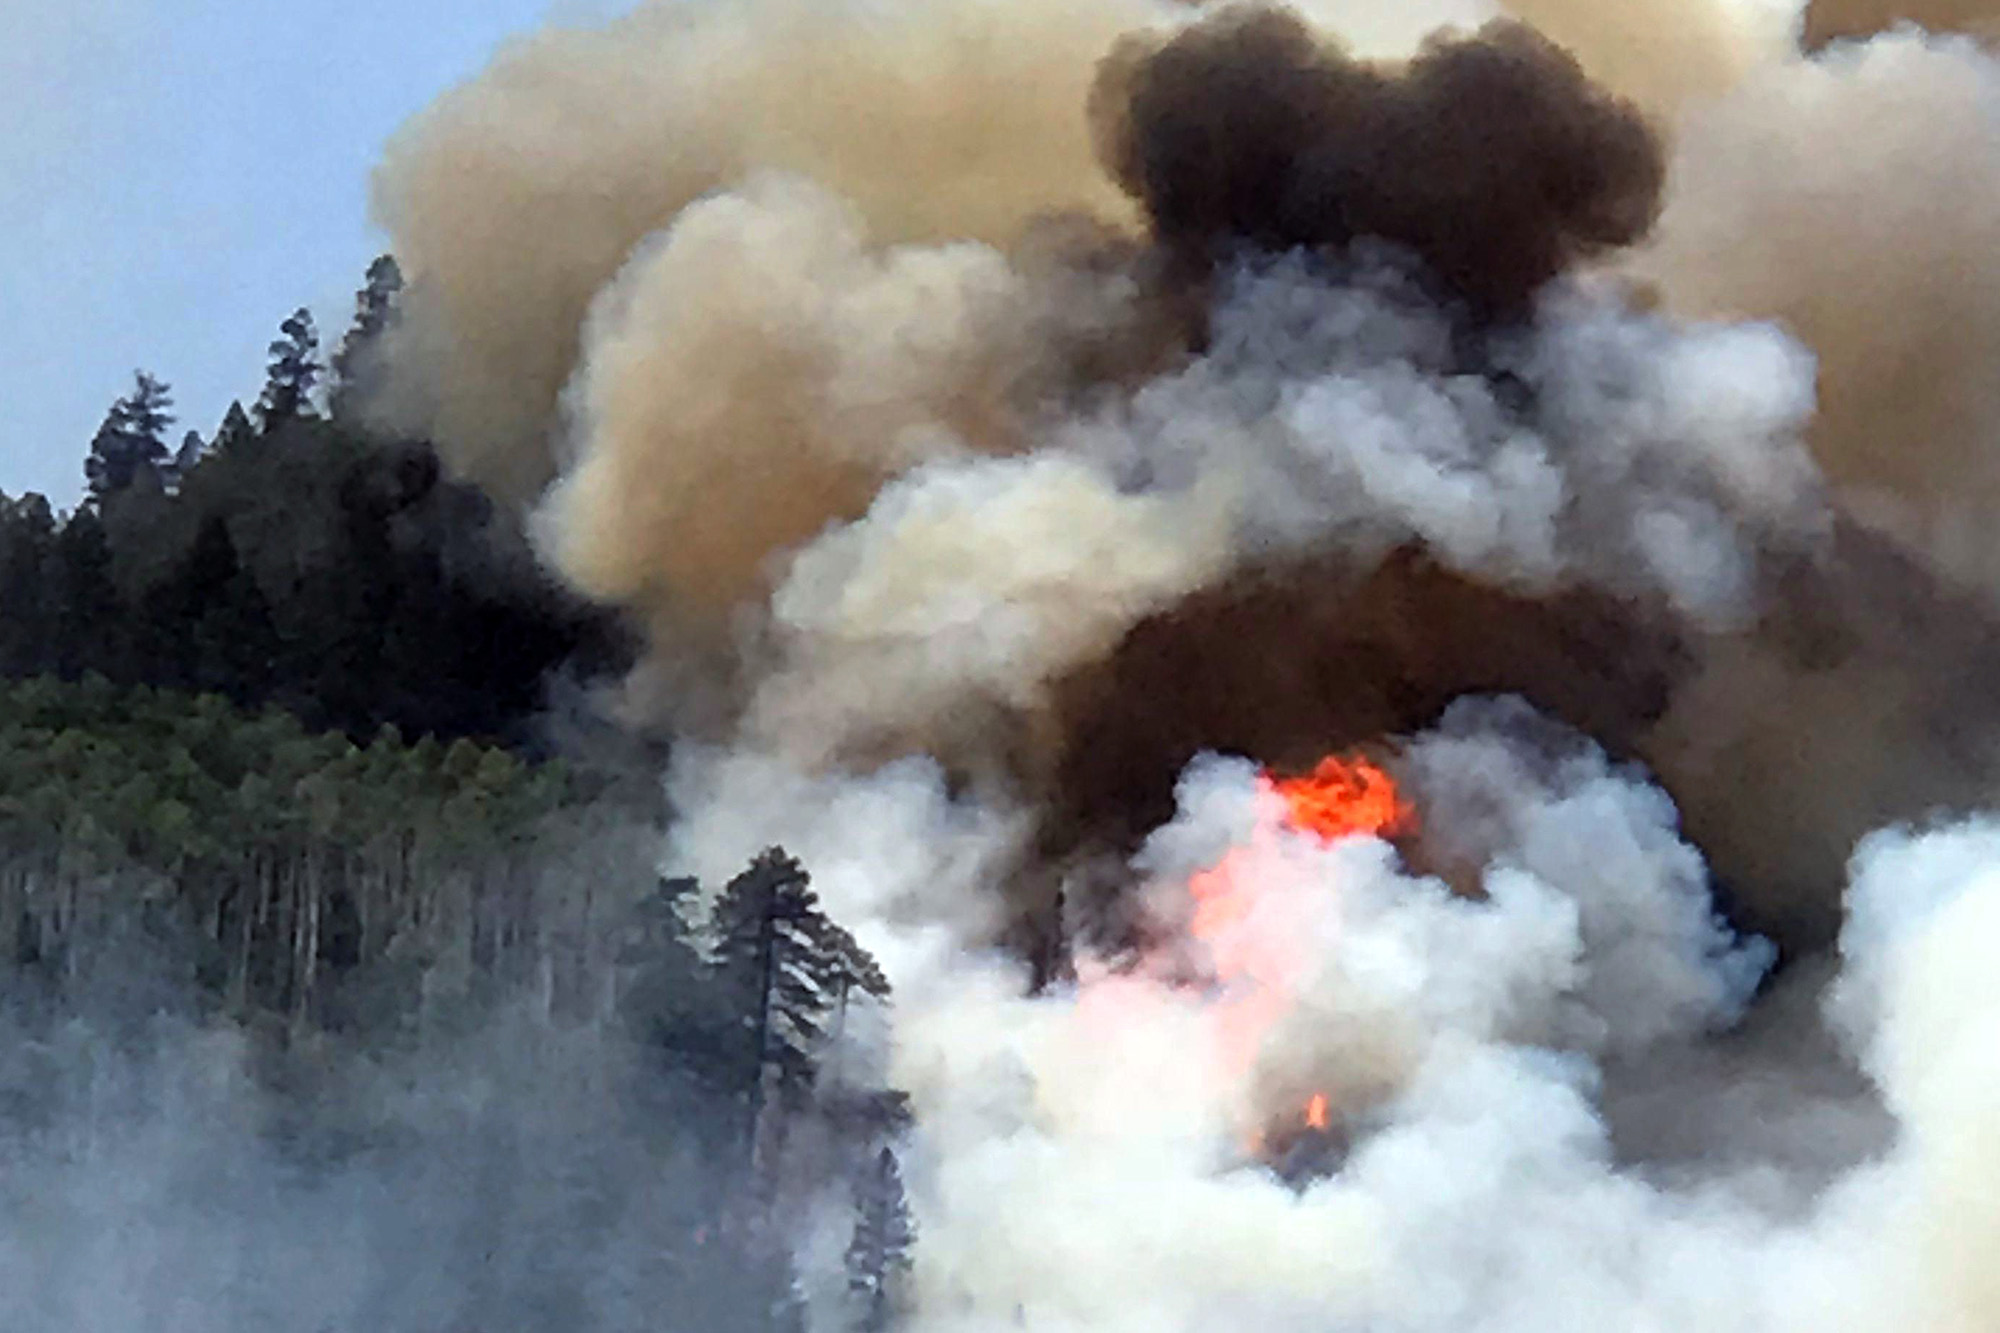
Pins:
x: 1330, y: 417
x: 1079, y: 1159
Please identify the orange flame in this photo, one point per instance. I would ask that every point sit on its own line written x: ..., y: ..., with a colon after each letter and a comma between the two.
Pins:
x: 1343, y: 797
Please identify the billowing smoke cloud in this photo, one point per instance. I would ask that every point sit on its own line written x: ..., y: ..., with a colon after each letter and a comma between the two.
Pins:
x: 1875, y: 255
x: 1492, y: 157
x: 1025, y: 507
x: 1580, y: 505
x: 517, y: 198
x: 1664, y: 56
x: 1084, y: 1156
x: 761, y: 369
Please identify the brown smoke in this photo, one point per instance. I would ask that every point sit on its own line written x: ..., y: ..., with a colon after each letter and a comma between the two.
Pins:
x: 1291, y: 664
x: 1828, y: 21
x: 1662, y: 56
x: 1878, y: 254
x: 518, y: 197
x: 765, y: 369
x: 994, y: 522
x: 1782, y: 746
x: 1863, y: 701
x: 1855, y: 198
x: 1492, y: 157
x: 773, y: 261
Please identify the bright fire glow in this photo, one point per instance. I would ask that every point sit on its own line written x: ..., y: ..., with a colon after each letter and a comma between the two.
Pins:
x: 1343, y: 797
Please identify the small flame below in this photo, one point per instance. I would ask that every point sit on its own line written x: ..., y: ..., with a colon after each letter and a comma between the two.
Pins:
x: 1316, y: 1116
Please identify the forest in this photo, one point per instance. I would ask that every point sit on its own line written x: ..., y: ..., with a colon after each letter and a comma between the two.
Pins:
x: 284, y: 752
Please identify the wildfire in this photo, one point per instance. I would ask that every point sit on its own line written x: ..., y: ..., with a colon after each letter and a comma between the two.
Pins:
x: 1344, y: 796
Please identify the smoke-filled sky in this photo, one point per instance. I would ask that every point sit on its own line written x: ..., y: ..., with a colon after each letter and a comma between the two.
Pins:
x: 1022, y: 480
x: 175, y: 178
x: 177, y: 175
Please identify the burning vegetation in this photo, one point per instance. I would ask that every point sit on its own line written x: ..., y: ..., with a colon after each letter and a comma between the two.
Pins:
x: 1257, y: 975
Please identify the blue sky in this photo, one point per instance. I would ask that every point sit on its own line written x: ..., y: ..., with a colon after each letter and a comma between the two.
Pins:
x: 177, y: 175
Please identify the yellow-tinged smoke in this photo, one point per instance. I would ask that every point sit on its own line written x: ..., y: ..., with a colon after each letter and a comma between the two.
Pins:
x: 1856, y: 198
x: 518, y: 197
x: 1828, y: 21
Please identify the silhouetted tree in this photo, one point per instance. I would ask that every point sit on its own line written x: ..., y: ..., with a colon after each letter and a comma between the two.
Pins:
x: 132, y: 442
x: 235, y: 430
x: 89, y: 626
x: 294, y: 370
x: 785, y: 965
x: 342, y: 579
x: 374, y: 310
x: 29, y: 604
x: 218, y: 618
x: 879, y: 1253
x: 185, y: 457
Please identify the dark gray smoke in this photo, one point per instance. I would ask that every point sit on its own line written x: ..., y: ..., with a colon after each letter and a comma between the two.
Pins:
x: 1491, y: 156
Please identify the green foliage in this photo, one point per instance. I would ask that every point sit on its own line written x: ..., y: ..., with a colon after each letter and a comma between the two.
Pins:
x: 344, y: 580
x: 235, y: 432
x: 167, y: 777
x: 295, y: 560
x: 267, y: 836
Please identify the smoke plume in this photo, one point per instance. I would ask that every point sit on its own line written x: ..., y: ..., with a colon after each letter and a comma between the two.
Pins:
x: 1874, y: 255
x: 1491, y: 157
x: 1021, y: 423
x: 581, y: 142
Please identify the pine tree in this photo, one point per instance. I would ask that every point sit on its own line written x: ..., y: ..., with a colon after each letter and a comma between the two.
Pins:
x: 374, y: 311
x: 214, y: 606
x: 131, y: 445
x: 235, y: 431
x: 670, y: 998
x: 89, y: 629
x: 879, y: 1254
x: 785, y: 965
x: 294, y: 370
x: 28, y: 596
x: 185, y: 457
